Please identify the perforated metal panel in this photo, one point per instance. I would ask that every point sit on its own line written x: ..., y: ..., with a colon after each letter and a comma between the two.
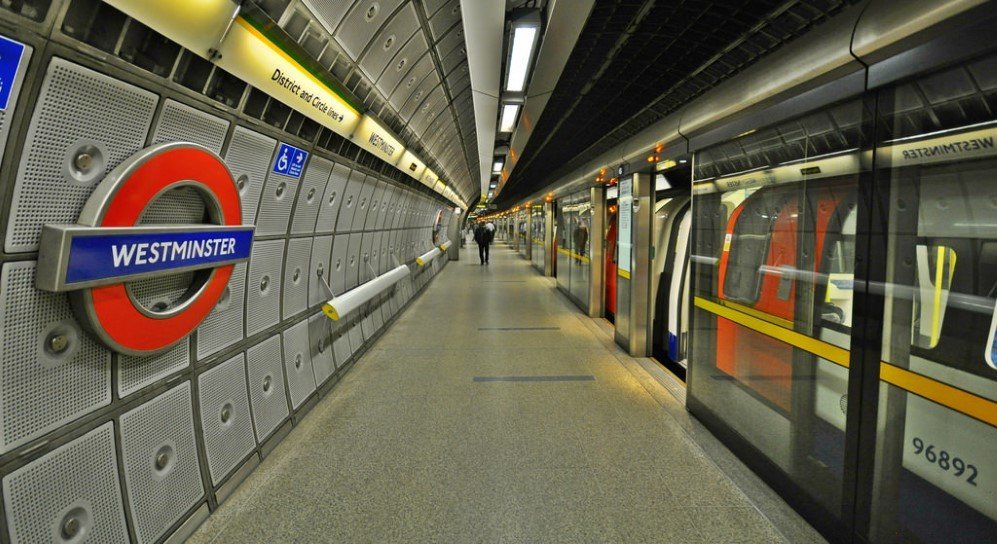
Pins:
x: 15, y: 91
x: 313, y: 184
x: 386, y: 200
x: 356, y: 335
x: 362, y: 22
x: 419, y: 94
x: 223, y: 326
x: 296, y: 269
x: 225, y: 418
x: 78, y: 111
x: 329, y: 12
x: 331, y: 200
x: 353, y: 260
x: 402, y: 63
x: 248, y: 158
x: 410, y: 82
x: 135, y: 373
x: 263, y: 288
x: 267, y: 392
x: 320, y: 344
x: 339, y: 263
x: 351, y: 199
x: 384, y: 261
x: 41, y: 387
x: 432, y: 6
x: 375, y: 252
x: 365, y: 257
x: 319, y: 269
x: 276, y: 204
x: 75, y: 484
x: 162, y: 471
x: 376, y: 199
x: 298, y: 363
x: 182, y: 123
x: 444, y: 19
x: 453, y: 39
x: 389, y: 41
x: 363, y: 203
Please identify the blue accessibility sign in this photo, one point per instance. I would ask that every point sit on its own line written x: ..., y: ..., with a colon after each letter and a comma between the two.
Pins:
x: 11, y: 53
x: 290, y: 161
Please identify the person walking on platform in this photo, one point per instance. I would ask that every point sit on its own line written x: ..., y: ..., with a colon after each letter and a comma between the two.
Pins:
x: 483, y: 236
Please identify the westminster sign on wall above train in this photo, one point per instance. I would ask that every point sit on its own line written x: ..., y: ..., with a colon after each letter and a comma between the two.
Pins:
x: 112, y: 244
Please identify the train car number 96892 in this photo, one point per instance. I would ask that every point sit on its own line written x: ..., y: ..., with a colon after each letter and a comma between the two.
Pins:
x: 945, y: 460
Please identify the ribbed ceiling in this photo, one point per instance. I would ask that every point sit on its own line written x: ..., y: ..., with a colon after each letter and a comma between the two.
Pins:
x: 638, y: 61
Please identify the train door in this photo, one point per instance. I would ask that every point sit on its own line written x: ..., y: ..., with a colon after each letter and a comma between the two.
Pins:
x: 609, y: 292
x: 671, y: 236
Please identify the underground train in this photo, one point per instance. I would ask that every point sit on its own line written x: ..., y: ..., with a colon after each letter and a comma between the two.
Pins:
x: 825, y: 270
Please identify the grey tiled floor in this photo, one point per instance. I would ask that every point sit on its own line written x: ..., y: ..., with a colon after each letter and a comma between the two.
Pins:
x: 408, y: 448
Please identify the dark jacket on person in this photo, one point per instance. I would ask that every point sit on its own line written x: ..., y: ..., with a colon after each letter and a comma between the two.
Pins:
x: 482, y: 235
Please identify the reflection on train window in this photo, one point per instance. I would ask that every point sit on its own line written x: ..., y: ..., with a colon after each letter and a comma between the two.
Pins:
x: 773, y: 271
x: 935, y: 469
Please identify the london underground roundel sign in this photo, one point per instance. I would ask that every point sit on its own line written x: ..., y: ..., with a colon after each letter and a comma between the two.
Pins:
x: 110, y: 246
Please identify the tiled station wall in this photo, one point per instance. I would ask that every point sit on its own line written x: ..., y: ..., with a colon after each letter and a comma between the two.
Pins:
x: 111, y: 448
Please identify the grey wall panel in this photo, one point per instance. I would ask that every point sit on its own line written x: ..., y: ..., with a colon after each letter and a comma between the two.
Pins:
x: 363, y: 204
x: 297, y: 266
x: 248, y: 157
x: 340, y: 264
x: 332, y: 199
x: 408, y: 84
x: 78, y: 111
x: 263, y: 288
x: 182, y: 123
x: 159, y: 455
x: 386, y: 202
x: 135, y: 373
x: 313, y: 185
x: 319, y: 269
x: 42, y: 389
x: 276, y: 204
x: 298, y: 363
x: 375, y: 206
x: 77, y: 481
x: 226, y: 422
x: 403, y: 63
x: 353, y: 260
x: 340, y: 343
x: 385, y: 263
x: 351, y: 199
x: 362, y: 22
x: 267, y: 393
x: 364, y: 273
x: 375, y: 252
x: 15, y: 91
x: 356, y: 335
x: 388, y: 41
x: 223, y: 326
x: 320, y: 344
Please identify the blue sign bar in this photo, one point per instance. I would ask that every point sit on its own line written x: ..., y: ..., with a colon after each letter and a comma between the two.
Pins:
x: 290, y: 161
x: 10, y: 60
x: 99, y: 257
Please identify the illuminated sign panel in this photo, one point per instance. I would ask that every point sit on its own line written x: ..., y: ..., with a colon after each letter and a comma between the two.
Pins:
x: 197, y: 25
x: 371, y: 136
x: 412, y: 165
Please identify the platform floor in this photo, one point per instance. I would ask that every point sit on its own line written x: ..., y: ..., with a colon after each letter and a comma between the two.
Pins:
x: 494, y: 411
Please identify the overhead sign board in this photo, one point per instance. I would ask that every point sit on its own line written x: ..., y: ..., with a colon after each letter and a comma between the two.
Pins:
x: 111, y: 245
x: 373, y: 137
x: 290, y: 161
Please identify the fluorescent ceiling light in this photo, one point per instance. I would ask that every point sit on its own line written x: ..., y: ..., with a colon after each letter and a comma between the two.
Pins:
x: 523, y: 41
x: 497, y: 167
x: 509, y: 114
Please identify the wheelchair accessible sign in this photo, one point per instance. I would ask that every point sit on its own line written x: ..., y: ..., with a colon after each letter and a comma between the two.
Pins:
x: 111, y: 246
x: 290, y: 161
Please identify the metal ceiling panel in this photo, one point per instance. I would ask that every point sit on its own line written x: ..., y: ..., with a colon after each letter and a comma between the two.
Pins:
x: 432, y: 6
x: 418, y: 96
x: 402, y: 63
x: 453, y: 59
x: 459, y: 78
x: 451, y: 41
x: 408, y: 85
x: 363, y: 23
x: 444, y: 19
x: 389, y: 41
x: 329, y: 12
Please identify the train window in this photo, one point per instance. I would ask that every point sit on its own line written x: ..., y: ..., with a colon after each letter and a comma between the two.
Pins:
x: 937, y: 430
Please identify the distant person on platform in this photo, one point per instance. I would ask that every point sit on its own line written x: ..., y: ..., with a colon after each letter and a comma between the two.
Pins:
x: 483, y: 236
